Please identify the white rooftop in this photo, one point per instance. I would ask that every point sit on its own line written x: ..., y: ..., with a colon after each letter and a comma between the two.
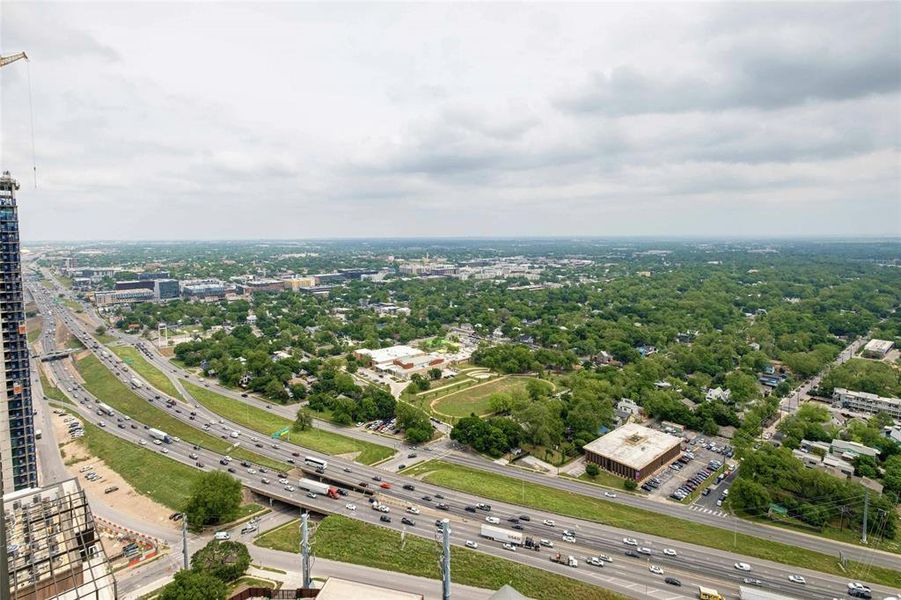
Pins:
x: 342, y: 589
x: 633, y: 445
x: 881, y: 346
x: 384, y: 355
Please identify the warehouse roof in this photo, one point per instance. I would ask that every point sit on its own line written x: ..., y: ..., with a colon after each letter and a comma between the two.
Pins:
x: 383, y: 355
x: 633, y: 445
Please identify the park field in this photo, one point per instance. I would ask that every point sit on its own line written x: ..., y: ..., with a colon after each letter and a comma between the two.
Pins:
x: 474, y: 399
x: 156, y: 378
x: 102, y: 384
x: 348, y: 540
x: 268, y: 423
x: 523, y: 493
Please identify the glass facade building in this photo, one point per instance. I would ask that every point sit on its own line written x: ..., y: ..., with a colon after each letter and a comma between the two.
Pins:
x: 17, y: 442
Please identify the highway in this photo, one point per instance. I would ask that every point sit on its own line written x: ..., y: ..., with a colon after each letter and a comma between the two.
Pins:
x: 692, y: 565
x: 660, y: 506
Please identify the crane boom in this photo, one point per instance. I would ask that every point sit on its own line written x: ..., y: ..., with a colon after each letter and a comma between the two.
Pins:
x: 6, y: 60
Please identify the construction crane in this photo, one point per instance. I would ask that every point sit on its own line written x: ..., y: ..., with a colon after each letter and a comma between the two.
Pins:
x: 7, y: 60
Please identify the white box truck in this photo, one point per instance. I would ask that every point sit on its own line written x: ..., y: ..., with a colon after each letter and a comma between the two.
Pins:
x: 500, y: 534
x: 318, y: 487
x: 160, y: 435
x: 135, y: 382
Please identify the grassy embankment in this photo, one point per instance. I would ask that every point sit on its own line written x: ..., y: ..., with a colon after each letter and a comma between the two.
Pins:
x: 145, y: 370
x: 268, y: 423
x: 51, y: 391
x: 523, y: 493
x: 348, y: 540
x: 102, y: 384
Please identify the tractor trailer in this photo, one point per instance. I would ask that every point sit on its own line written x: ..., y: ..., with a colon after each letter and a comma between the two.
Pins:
x: 135, y: 382
x: 500, y: 534
x: 160, y: 435
x: 318, y: 487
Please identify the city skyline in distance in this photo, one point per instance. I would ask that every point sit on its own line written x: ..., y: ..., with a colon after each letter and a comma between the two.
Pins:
x: 396, y: 121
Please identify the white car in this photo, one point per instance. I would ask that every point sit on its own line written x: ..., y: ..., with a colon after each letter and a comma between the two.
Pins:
x: 384, y: 508
x: 569, y: 538
x: 741, y: 566
x: 605, y: 558
x: 549, y: 523
x: 510, y: 547
x: 669, y: 552
x: 283, y: 481
x: 610, y: 494
x: 492, y: 520
x: 289, y: 488
x: 643, y: 550
x: 143, y: 442
x: 252, y: 471
x: 412, y: 510
x: 164, y: 450
x: 797, y: 579
x: 546, y: 543
x: 853, y: 585
x: 595, y: 561
x: 655, y: 570
x: 471, y: 544
x: 630, y: 541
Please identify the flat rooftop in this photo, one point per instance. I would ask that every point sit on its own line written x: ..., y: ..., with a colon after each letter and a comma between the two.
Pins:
x: 342, y: 589
x: 633, y: 445
x: 383, y: 355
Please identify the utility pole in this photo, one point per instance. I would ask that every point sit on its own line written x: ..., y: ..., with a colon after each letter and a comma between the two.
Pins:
x: 184, y: 540
x: 445, y: 562
x: 866, y: 509
x: 305, y: 549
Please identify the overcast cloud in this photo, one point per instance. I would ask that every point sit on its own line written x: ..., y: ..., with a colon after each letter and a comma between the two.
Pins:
x: 205, y: 121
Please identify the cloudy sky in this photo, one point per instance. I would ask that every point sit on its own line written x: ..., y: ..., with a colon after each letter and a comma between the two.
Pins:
x: 223, y: 121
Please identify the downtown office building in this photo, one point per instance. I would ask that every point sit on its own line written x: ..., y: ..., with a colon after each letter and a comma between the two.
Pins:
x: 17, y: 442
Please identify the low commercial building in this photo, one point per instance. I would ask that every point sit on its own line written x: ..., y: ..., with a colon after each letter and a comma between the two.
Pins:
x: 200, y: 289
x: 633, y: 451
x: 866, y: 403
x: 53, y: 547
x: 116, y: 297
x: 342, y: 589
x: 402, y: 361
x: 877, y: 348
x: 851, y: 450
x: 261, y: 285
x: 134, y: 284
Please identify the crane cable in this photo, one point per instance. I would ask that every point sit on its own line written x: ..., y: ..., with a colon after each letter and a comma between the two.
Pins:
x: 34, y: 164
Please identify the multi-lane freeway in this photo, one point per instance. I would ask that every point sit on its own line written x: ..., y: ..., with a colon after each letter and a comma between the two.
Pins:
x: 691, y: 564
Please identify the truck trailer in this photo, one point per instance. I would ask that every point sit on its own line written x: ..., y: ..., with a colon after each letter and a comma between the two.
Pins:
x: 500, y: 534
x: 752, y: 593
x: 706, y: 593
x: 135, y: 382
x: 318, y: 487
x: 160, y: 435
x: 569, y: 561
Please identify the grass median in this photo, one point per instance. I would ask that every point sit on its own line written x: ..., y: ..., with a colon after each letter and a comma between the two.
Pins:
x: 351, y: 541
x: 102, y: 384
x: 161, y: 479
x: 268, y: 423
x: 147, y: 371
x: 50, y: 390
x: 523, y: 493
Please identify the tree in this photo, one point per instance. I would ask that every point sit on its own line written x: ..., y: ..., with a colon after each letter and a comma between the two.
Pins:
x: 592, y: 470
x: 215, y: 498
x: 226, y: 561
x: 414, y: 422
x: 303, y: 421
x: 101, y: 330
x: 435, y: 373
x: 419, y: 382
x: 865, y: 466
x: 192, y: 585
x: 630, y: 484
x: 892, y: 479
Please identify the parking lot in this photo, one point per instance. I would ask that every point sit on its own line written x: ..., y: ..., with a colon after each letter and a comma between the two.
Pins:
x: 699, y: 454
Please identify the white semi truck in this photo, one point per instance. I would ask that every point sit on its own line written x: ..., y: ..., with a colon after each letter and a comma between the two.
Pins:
x: 500, y: 534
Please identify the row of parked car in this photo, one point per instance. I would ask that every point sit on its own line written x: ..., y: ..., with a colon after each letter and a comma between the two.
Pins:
x: 692, y: 483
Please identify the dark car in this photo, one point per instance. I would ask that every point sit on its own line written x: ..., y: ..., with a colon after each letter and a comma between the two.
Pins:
x: 471, y: 509
x: 632, y: 554
x: 259, y: 445
x: 673, y: 581
x: 385, y: 519
x: 244, y: 395
x: 222, y: 461
x: 427, y: 498
x: 517, y: 526
x: 232, y: 470
x: 525, y: 518
x: 199, y: 464
x: 409, y: 522
x: 439, y: 496
x: 442, y: 506
x: 245, y: 464
x: 409, y: 486
x: 342, y: 492
x: 295, y: 454
x: 376, y: 478
x: 289, y: 461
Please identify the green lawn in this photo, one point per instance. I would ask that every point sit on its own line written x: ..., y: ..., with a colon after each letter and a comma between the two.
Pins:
x: 100, y: 382
x: 105, y: 338
x: 34, y: 333
x: 474, y: 399
x: 605, y: 479
x: 160, y: 478
x: 348, y: 540
x: 73, y: 304
x: 147, y: 371
x: 51, y: 391
x: 268, y: 423
x: 508, y: 489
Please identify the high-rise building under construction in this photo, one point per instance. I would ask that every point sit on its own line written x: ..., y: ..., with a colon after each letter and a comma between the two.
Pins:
x: 17, y: 442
